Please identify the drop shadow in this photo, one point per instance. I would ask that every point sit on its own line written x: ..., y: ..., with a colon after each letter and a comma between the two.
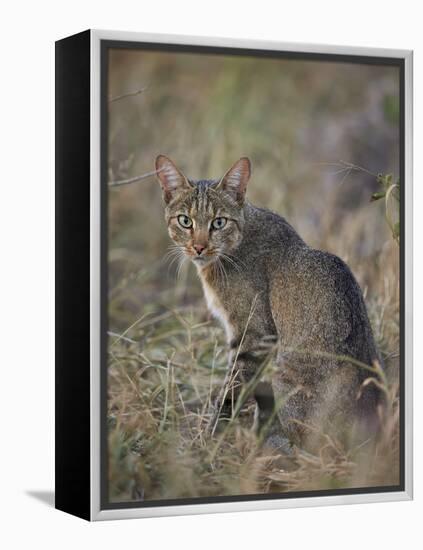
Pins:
x: 46, y: 497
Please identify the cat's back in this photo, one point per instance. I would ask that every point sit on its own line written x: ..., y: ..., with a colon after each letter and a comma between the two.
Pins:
x: 267, y: 234
x: 291, y: 262
x: 275, y: 251
x: 312, y: 292
x: 317, y: 299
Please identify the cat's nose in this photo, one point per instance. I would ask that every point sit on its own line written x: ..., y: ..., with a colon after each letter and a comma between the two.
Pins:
x: 198, y: 248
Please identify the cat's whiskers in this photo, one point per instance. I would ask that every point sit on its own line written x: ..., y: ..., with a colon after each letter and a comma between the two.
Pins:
x: 222, y: 270
x: 172, y: 249
x: 182, y: 261
x: 174, y: 254
x: 232, y: 261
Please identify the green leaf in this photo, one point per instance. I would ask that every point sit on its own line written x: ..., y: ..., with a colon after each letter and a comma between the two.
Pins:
x: 377, y: 196
x: 385, y: 180
x: 396, y: 229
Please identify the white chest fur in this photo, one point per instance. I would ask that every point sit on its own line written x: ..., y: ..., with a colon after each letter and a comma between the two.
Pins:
x: 216, y: 309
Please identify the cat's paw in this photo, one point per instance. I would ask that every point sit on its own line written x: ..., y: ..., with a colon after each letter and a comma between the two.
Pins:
x: 280, y: 444
x: 219, y: 416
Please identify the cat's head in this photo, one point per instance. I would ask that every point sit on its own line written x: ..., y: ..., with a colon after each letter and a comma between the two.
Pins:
x: 205, y: 218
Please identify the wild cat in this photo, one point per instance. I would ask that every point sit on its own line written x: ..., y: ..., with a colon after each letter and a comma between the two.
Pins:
x: 275, y: 295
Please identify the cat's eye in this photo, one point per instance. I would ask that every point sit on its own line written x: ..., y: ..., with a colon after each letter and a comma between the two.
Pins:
x: 185, y: 221
x: 218, y: 223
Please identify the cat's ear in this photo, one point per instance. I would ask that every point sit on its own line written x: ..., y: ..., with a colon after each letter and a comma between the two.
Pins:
x: 234, y: 182
x: 171, y: 179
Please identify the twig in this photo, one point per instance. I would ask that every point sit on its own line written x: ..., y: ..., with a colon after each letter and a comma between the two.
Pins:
x: 134, y: 179
x: 120, y: 337
x: 346, y: 167
x: 128, y: 94
x: 352, y: 166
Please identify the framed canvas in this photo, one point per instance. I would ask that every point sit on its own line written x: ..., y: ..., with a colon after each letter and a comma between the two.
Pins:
x: 233, y: 275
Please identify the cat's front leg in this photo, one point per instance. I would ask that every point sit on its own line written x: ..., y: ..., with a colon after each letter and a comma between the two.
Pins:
x: 223, y: 405
x: 246, y: 364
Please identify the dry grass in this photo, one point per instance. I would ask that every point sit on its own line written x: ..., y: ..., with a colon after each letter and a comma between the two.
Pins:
x: 165, y: 353
x: 159, y: 447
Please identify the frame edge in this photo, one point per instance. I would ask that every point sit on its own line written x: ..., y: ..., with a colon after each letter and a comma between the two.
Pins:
x: 252, y: 505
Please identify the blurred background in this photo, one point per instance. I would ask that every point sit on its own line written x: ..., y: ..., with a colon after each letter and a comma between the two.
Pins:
x: 296, y: 120
x: 317, y: 132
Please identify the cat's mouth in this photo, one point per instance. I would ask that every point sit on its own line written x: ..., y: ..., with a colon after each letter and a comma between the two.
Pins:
x: 202, y: 259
